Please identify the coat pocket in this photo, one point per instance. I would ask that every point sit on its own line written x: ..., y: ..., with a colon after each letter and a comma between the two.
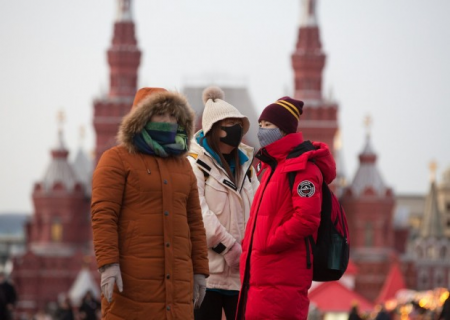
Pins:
x: 216, y: 196
x: 216, y: 262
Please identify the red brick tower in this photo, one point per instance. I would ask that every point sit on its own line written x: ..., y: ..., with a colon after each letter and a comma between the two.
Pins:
x: 319, y: 119
x: 369, y: 205
x: 124, y: 58
x: 58, y: 235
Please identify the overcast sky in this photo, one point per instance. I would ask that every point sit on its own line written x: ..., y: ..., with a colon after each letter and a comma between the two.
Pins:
x: 385, y: 58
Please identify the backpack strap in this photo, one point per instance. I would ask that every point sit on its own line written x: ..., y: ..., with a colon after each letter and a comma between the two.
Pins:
x: 301, y: 149
x: 297, y: 152
x: 204, y: 167
x: 249, y: 173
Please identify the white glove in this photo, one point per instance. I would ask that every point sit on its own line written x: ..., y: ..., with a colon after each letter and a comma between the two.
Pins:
x: 233, y: 256
x: 110, y: 274
x: 199, y: 289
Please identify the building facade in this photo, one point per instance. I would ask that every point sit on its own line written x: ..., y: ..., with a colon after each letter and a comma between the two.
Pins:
x: 58, y: 235
x: 319, y: 121
x: 58, y: 244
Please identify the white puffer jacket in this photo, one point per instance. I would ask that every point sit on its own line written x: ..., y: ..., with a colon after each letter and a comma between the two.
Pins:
x: 225, y: 209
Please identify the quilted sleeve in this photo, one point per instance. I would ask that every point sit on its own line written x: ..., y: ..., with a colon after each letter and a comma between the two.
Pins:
x: 198, y: 237
x: 108, y: 184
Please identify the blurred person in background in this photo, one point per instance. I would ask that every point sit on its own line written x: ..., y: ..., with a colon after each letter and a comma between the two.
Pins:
x: 8, y: 298
x: 445, y: 313
x: 42, y: 315
x: 65, y: 310
x: 382, y: 314
x: 354, y: 313
x: 89, y: 307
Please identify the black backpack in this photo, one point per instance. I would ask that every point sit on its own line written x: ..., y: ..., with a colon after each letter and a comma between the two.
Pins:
x: 331, y: 251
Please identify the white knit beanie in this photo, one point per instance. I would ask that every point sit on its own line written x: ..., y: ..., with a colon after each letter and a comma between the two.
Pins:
x: 217, y: 109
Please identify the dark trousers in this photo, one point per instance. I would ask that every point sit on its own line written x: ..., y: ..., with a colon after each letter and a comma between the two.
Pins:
x: 211, y: 308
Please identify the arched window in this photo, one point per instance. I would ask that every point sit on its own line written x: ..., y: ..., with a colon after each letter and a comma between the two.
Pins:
x: 443, y: 252
x: 368, y: 235
x: 448, y: 279
x: 419, y: 252
x: 56, y: 230
x: 431, y: 252
x: 438, y: 278
x: 423, y: 280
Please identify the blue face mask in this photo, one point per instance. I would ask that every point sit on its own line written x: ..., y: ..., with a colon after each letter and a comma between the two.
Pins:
x: 267, y: 136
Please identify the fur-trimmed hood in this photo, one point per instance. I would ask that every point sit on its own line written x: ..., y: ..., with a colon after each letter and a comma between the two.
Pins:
x: 159, y: 102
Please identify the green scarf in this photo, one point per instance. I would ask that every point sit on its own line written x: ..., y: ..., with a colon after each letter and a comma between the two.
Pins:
x: 161, y: 139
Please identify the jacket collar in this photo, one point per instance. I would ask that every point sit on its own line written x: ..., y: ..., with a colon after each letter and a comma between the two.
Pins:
x: 216, y: 169
x: 279, y: 149
x: 245, y: 151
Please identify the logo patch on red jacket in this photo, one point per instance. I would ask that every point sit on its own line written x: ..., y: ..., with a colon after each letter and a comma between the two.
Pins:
x: 306, y: 189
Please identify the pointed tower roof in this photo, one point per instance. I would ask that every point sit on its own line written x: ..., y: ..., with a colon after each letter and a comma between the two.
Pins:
x: 124, y: 55
x: 367, y: 176
x: 83, y: 283
x: 341, y: 174
x: 308, y: 59
x: 309, y: 15
x: 83, y: 166
x: 124, y: 11
x: 432, y: 224
x: 59, y: 170
x: 446, y: 179
x: 124, y: 58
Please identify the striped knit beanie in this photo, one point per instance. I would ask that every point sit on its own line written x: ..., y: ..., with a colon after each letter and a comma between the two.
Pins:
x: 284, y: 113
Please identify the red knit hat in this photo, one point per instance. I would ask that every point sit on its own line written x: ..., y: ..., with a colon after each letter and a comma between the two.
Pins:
x: 284, y: 113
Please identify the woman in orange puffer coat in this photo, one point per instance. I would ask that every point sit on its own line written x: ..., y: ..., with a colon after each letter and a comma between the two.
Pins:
x: 147, y: 224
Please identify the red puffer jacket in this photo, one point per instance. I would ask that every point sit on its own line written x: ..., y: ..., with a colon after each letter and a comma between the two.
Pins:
x: 276, y: 270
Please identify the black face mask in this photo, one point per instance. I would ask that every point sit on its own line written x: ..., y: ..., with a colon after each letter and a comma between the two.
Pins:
x: 234, y: 135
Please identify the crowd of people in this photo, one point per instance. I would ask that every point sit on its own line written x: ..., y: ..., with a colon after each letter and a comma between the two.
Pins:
x: 410, y: 310
x: 87, y: 309
x: 8, y: 298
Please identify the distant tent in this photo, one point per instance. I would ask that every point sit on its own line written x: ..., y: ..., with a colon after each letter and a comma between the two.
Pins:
x: 334, y: 297
x: 82, y: 284
x: 352, y: 269
x: 394, y: 283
